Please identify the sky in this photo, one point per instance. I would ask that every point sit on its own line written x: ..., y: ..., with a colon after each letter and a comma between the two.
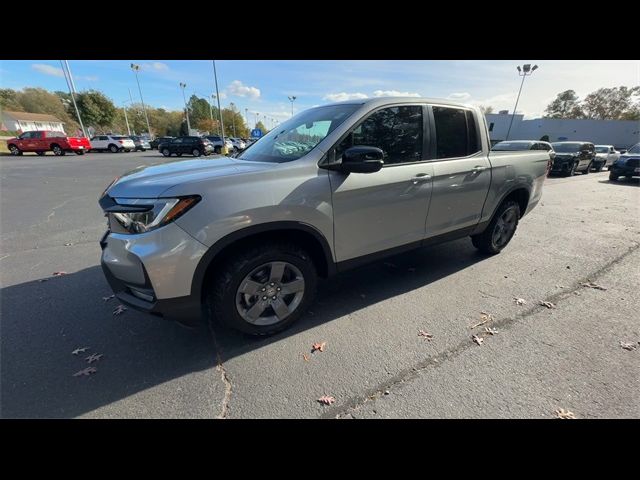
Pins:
x: 263, y: 85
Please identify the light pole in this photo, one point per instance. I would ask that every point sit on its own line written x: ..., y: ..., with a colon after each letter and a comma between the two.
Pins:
x: 72, y: 91
x: 215, y: 77
x: 135, y: 69
x: 124, y: 107
x: 246, y: 117
x: 257, y: 115
x: 233, y: 118
x: 292, y: 99
x: 526, y: 70
x: 186, y: 109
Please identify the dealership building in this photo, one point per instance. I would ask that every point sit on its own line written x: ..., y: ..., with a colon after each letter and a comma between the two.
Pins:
x: 620, y: 133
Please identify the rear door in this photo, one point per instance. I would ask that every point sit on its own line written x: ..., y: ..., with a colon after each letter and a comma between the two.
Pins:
x: 461, y: 171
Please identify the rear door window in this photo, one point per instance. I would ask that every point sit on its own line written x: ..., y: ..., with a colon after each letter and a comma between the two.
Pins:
x: 456, y: 132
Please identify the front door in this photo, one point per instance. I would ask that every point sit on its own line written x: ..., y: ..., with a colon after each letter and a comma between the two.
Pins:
x: 378, y: 211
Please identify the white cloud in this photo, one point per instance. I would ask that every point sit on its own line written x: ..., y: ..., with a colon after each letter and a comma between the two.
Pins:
x: 394, y: 93
x: 48, y: 69
x: 223, y: 95
x: 238, y: 89
x: 157, y: 66
x: 342, y: 96
x: 459, y: 97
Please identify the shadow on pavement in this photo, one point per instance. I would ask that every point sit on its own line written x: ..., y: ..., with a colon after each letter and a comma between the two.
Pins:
x: 43, y: 322
x: 633, y: 182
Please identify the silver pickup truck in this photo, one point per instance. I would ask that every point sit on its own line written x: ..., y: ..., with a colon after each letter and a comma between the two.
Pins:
x: 244, y: 240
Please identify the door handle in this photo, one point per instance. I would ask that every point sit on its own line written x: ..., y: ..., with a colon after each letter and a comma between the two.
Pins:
x: 479, y: 168
x: 420, y: 177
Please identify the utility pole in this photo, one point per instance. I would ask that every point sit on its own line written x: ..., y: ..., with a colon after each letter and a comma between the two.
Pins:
x: 72, y: 90
x: 233, y: 118
x: 186, y: 108
x: 135, y: 69
x: 215, y: 77
x: 124, y: 107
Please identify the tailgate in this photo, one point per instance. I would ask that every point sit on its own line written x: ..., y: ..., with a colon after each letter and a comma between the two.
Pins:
x: 78, y: 142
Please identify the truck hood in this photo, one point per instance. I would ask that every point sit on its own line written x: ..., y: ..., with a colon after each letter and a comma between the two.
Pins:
x: 152, y: 181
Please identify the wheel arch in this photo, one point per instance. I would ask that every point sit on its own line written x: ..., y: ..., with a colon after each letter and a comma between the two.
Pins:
x: 301, y: 233
x: 519, y: 193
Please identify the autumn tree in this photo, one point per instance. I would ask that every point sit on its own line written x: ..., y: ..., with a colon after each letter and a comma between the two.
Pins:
x: 95, y: 109
x: 261, y: 126
x: 617, y: 103
x: 565, y: 105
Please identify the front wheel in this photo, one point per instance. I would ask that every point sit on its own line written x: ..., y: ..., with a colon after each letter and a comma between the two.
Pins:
x: 586, y: 172
x: 15, y: 151
x: 263, y: 289
x: 113, y: 149
x: 572, y: 172
x: 218, y: 150
x: 613, y: 177
x: 501, y: 229
x: 166, y: 152
x: 195, y: 152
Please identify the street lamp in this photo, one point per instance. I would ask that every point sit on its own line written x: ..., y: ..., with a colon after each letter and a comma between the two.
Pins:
x: 124, y: 107
x: 233, y: 118
x: 135, y: 69
x: 215, y: 78
x: 257, y: 115
x: 246, y: 116
x: 526, y: 70
x: 186, y: 109
x: 292, y: 99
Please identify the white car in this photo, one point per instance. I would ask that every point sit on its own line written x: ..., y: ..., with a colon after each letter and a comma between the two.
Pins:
x: 605, y: 156
x: 238, y: 144
x: 113, y: 143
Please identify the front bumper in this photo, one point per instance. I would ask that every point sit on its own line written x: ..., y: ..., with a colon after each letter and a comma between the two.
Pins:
x: 153, y: 271
x: 561, y: 166
x: 625, y: 171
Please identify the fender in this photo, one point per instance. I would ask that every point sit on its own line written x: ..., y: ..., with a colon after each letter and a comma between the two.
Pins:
x: 216, y: 248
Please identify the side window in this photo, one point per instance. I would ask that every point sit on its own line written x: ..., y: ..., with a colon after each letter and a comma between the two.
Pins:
x: 176, y: 140
x: 397, y: 131
x: 451, y: 132
x: 474, y: 145
x: 104, y: 137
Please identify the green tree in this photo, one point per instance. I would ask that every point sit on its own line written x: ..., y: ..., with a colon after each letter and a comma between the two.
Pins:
x: 261, y: 126
x: 95, y: 109
x: 565, y: 105
x: 9, y: 100
x: 617, y: 103
x: 545, y: 138
x: 486, y: 110
x: 231, y: 118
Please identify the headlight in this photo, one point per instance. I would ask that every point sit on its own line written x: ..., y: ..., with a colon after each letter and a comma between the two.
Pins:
x: 139, y: 215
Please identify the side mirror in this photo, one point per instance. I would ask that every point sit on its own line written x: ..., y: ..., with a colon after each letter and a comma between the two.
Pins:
x: 362, y: 159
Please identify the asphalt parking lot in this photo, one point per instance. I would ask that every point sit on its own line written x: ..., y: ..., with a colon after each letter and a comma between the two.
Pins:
x: 375, y: 364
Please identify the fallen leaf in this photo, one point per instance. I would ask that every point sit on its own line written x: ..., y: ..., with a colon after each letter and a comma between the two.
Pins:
x: 119, y: 310
x: 305, y: 357
x: 548, y: 304
x: 592, y: 285
x: 629, y: 346
x: 564, y: 414
x: 318, y: 346
x: 93, y: 357
x: 87, y: 371
x: 59, y: 274
x: 79, y: 350
x: 68, y: 244
x: 491, y: 331
x: 326, y: 400
x: 520, y: 301
x: 478, y: 339
x: 484, y: 318
x: 427, y: 335
x: 106, y: 299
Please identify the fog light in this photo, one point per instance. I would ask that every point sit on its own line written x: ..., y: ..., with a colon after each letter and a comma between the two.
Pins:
x: 142, y: 295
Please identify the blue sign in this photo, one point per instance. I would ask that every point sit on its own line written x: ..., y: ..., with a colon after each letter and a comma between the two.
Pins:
x: 256, y: 133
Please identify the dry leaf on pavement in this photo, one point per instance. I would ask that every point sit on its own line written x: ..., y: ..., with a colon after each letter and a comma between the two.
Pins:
x: 548, y: 304
x: 484, y: 318
x: 305, y: 357
x: 629, y: 346
x: 565, y: 414
x: 520, y: 301
x: 478, y: 339
x: 59, y: 274
x: 94, y: 357
x: 326, y: 400
x: 318, y: 346
x: 592, y: 285
x: 106, y: 299
x: 491, y: 331
x: 119, y: 310
x: 427, y: 335
x: 68, y: 244
x: 87, y: 371
x: 79, y: 350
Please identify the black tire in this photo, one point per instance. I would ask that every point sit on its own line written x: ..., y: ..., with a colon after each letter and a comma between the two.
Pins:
x: 79, y: 152
x: 485, y: 240
x: 613, y: 177
x: 113, y: 149
x: 14, y: 150
x: 221, y: 297
x: 195, y: 152
x: 586, y: 172
x: 218, y: 150
x: 40, y: 154
x: 57, y: 150
x: 572, y: 170
x: 166, y: 152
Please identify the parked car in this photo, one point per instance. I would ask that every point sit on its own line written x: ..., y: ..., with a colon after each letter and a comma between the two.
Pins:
x: 627, y: 165
x: 112, y: 143
x: 572, y: 157
x: 217, y: 143
x: 518, y: 145
x: 195, y: 146
x: 141, y: 143
x: 237, y: 143
x: 249, y: 236
x: 605, y: 156
x: 42, y: 141
x: 156, y: 141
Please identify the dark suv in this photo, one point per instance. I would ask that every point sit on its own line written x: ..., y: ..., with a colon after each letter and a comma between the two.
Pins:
x: 572, y: 157
x: 628, y: 165
x: 157, y: 141
x: 195, y: 146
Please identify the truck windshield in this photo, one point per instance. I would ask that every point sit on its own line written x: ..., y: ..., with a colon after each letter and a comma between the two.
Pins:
x: 566, y: 147
x: 299, y: 135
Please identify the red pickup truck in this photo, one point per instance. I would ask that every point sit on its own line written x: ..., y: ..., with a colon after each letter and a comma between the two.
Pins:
x: 46, y: 140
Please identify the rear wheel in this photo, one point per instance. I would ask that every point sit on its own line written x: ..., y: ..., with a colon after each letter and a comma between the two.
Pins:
x: 166, y: 152
x: 113, y: 149
x: 501, y: 229
x: 57, y: 151
x: 263, y: 289
x: 613, y: 177
x: 195, y: 152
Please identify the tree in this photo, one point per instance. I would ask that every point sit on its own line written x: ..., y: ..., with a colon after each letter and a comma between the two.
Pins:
x: 261, y: 126
x: 9, y: 100
x: 231, y: 118
x: 545, y: 138
x: 95, y: 109
x: 566, y: 105
x: 486, y: 110
x: 617, y: 103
